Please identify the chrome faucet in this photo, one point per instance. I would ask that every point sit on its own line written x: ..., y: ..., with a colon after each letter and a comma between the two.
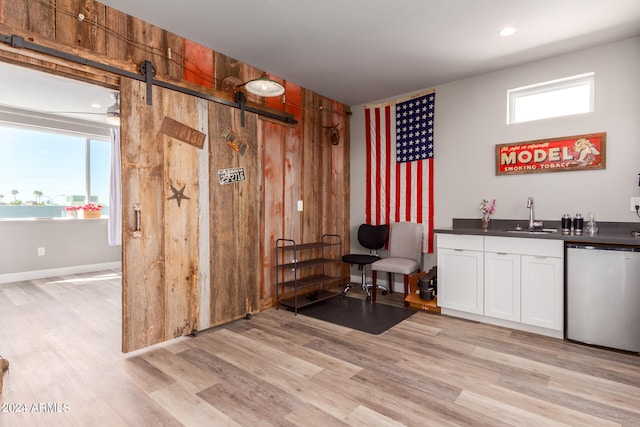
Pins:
x: 533, y: 224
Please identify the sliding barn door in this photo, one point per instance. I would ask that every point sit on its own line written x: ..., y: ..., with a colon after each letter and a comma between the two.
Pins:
x: 160, y: 193
x: 236, y: 216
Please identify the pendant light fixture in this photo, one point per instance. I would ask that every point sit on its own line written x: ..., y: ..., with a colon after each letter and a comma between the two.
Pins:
x: 113, y: 112
x: 264, y: 86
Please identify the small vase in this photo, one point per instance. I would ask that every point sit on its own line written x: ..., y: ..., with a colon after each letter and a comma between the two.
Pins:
x: 485, y: 223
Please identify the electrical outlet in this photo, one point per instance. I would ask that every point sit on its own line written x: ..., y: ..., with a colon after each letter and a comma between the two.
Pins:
x: 41, y: 252
x: 635, y: 201
x: 299, y: 205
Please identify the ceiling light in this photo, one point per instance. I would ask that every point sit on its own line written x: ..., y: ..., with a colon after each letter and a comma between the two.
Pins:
x: 507, y: 31
x: 113, y: 112
x: 264, y: 86
x: 96, y: 105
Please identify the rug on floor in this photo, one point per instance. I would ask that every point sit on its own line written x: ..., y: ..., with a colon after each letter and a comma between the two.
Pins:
x: 362, y: 315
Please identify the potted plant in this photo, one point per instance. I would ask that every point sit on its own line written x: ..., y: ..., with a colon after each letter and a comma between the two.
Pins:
x: 72, y: 211
x: 91, y: 210
x: 486, y: 209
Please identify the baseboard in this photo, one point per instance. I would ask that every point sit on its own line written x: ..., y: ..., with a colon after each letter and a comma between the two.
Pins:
x: 54, y: 272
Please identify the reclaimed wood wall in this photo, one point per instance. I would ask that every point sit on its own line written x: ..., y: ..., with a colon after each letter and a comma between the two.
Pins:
x: 284, y: 163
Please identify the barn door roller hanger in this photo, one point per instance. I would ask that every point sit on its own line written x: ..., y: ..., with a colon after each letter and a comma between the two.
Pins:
x: 148, y: 73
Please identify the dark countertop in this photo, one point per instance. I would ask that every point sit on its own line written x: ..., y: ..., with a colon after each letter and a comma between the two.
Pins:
x: 610, y: 233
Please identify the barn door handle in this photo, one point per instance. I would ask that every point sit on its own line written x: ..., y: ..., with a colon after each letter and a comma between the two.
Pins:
x: 138, y: 230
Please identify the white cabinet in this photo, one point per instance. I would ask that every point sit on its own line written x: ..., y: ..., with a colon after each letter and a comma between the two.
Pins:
x: 502, y: 285
x: 510, y: 281
x: 460, y: 273
x: 543, y: 291
x: 533, y: 269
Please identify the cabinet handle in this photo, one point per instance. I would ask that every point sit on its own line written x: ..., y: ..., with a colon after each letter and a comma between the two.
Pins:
x: 459, y: 250
x: 138, y: 230
x: 501, y: 253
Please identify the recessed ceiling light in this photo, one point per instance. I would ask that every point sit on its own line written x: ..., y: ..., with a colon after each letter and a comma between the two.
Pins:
x: 507, y: 31
x: 96, y: 105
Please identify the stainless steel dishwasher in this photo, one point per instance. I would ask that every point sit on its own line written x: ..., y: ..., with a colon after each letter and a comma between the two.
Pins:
x: 603, y: 295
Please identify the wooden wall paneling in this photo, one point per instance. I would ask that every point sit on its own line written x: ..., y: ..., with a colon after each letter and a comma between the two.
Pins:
x: 338, y: 174
x: 135, y: 41
x: 225, y: 66
x: 236, y: 218
x: 204, y: 238
x: 88, y: 32
x: 28, y: 15
x: 293, y: 164
x: 294, y: 101
x: 181, y: 220
x: 143, y: 281
x: 312, y: 184
x: 59, y: 67
x: 273, y: 135
x: 346, y: 179
x: 198, y: 64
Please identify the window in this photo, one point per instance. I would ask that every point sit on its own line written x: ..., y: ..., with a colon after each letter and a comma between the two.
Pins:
x: 43, y: 172
x: 563, y: 97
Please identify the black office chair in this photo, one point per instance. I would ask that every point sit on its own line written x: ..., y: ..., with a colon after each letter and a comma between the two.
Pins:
x: 372, y: 237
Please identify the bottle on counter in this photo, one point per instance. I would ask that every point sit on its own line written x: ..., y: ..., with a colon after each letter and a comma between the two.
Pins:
x: 566, y: 224
x: 578, y: 225
x: 591, y: 227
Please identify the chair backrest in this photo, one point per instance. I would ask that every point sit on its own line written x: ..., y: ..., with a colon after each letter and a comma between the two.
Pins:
x: 373, y: 237
x: 405, y: 241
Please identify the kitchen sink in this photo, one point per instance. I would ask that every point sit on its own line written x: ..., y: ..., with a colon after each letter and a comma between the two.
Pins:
x: 527, y: 231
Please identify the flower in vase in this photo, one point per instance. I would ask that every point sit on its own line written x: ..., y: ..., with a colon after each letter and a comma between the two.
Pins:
x: 486, y: 208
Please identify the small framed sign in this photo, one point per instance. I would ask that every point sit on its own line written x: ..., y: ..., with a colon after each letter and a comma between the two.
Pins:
x: 569, y: 153
x: 230, y: 176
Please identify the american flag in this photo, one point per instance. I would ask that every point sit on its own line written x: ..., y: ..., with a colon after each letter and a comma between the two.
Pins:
x: 400, y: 163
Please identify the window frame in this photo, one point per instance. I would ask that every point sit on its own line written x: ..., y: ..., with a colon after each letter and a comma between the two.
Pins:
x: 547, y: 87
x: 42, y: 122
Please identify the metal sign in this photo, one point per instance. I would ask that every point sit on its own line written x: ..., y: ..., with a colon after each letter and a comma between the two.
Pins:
x: 234, y: 141
x: 569, y: 153
x: 182, y: 132
x: 231, y: 176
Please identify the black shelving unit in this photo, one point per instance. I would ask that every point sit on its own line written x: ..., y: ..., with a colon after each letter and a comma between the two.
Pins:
x: 288, y: 254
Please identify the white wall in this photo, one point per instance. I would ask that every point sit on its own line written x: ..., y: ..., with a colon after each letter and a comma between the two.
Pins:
x: 71, y: 246
x: 471, y: 120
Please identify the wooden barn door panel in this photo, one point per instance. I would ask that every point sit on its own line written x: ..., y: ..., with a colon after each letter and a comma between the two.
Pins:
x: 160, y: 173
x: 236, y: 224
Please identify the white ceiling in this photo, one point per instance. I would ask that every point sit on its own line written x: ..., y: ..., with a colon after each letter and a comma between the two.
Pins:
x: 358, y: 51
x: 27, y: 89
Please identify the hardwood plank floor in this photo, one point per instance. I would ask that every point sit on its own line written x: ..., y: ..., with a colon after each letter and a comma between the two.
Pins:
x: 62, y: 337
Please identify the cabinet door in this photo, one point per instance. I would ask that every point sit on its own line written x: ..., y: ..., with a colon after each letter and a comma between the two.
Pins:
x: 542, y: 292
x: 460, y: 276
x: 502, y: 286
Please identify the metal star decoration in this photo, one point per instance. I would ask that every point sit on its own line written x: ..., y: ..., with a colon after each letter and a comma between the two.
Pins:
x: 178, y: 194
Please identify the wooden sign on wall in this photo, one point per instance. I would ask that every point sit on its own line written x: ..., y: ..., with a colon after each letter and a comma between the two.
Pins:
x: 569, y: 153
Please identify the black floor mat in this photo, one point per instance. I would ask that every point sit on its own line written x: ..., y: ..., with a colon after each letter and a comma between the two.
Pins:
x: 354, y: 313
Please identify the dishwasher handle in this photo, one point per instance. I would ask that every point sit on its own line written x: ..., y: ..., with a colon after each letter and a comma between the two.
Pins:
x: 601, y: 247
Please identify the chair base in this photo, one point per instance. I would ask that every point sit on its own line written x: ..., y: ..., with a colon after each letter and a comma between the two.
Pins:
x: 366, y: 286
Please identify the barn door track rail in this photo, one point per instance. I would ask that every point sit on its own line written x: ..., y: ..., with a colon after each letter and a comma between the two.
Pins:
x: 147, y: 75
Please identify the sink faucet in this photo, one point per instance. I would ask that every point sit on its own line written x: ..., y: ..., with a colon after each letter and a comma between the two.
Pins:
x: 532, y: 223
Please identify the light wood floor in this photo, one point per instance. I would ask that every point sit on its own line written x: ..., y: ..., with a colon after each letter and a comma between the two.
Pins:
x: 62, y: 337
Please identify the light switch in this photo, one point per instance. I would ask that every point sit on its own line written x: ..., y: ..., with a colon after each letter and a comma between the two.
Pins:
x: 299, y: 205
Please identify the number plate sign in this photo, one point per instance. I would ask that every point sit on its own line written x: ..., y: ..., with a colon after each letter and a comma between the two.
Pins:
x: 231, y: 176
